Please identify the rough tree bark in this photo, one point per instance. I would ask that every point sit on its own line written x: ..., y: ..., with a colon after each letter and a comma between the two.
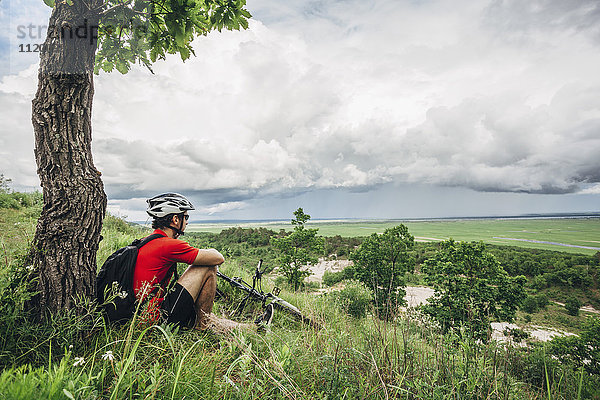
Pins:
x: 68, y: 231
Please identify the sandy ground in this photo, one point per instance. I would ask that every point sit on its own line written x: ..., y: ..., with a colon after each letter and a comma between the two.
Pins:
x: 537, y: 332
x: 416, y: 295
x: 332, y: 266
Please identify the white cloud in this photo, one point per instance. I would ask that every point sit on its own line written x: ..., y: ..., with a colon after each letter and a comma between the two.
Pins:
x: 595, y: 189
x: 16, y: 132
x: 222, y: 207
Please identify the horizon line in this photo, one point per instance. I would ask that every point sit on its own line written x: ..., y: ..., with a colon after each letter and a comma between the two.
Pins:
x: 560, y: 215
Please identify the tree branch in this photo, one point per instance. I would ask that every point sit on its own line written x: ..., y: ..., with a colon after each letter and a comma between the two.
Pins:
x: 125, y: 3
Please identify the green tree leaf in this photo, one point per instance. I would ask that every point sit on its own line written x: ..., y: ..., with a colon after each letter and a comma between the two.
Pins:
x: 122, y: 66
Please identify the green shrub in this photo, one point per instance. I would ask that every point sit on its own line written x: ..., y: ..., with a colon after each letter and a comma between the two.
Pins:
x: 542, y: 301
x: 411, y: 278
x: 354, y: 299
x: 7, y: 201
x: 580, y: 351
x: 572, y: 305
x: 311, y: 285
x: 530, y: 304
x: 280, y: 281
x: 331, y: 278
x: 538, y: 283
x: 18, y: 200
x: 471, y: 288
x: 112, y: 225
x: 517, y: 334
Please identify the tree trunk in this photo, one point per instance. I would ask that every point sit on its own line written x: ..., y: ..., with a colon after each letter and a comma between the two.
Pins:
x: 68, y: 231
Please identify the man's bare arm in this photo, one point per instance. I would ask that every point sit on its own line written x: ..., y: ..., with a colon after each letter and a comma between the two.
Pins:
x: 208, y: 257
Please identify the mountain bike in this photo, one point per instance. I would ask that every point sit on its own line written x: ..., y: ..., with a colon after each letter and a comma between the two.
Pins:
x: 255, y: 293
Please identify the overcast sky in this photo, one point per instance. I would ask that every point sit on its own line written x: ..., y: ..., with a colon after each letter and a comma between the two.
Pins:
x: 381, y: 109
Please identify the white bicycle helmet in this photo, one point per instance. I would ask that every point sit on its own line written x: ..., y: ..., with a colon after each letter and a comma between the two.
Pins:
x: 168, y: 203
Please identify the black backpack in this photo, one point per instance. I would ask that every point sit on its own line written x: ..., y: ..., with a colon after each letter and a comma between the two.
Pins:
x: 116, y: 276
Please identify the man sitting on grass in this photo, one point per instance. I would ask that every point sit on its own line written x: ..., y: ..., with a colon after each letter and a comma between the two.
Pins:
x: 190, y: 302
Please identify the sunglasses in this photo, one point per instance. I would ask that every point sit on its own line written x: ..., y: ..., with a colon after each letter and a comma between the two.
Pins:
x: 186, y: 216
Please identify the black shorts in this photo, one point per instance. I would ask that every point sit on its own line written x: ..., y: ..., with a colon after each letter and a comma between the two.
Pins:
x: 178, y: 307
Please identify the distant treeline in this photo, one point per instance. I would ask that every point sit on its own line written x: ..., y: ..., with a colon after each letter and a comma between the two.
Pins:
x: 515, y: 260
x: 576, y: 273
x: 252, y: 244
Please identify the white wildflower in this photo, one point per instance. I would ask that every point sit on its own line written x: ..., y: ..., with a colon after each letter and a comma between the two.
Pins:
x: 108, y: 356
x: 70, y: 347
x: 79, y: 361
x: 229, y: 381
x: 123, y: 294
x: 29, y: 268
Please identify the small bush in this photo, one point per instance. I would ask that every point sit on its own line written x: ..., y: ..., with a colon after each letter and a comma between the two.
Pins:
x: 517, y: 334
x: 331, y: 278
x: 311, y: 285
x: 572, y: 305
x: 18, y: 200
x: 582, y: 350
x: 539, y: 282
x: 354, y: 299
x: 280, y: 281
x: 7, y: 201
x: 542, y: 301
x: 411, y: 278
x: 530, y: 304
x: 112, y: 224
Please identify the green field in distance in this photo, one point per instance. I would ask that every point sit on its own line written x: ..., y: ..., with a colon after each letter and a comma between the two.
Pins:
x: 560, y: 234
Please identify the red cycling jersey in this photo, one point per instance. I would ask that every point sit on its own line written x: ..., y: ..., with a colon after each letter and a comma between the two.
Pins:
x: 156, y: 257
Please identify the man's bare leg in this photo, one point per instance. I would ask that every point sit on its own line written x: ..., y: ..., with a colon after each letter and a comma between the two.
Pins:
x: 201, y: 282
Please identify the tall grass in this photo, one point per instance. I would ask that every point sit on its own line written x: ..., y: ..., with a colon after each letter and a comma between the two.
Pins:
x: 81, y: 357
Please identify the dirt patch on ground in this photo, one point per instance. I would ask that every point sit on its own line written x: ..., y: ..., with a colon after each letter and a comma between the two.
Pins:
x: 323, y: 265
x: 540, y: 333
x: 417, y: 295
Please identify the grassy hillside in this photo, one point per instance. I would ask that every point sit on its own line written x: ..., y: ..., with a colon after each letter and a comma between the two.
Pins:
x: 79, y: 356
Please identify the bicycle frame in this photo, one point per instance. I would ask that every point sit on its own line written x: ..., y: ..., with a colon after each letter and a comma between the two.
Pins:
x: 259, y: 295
